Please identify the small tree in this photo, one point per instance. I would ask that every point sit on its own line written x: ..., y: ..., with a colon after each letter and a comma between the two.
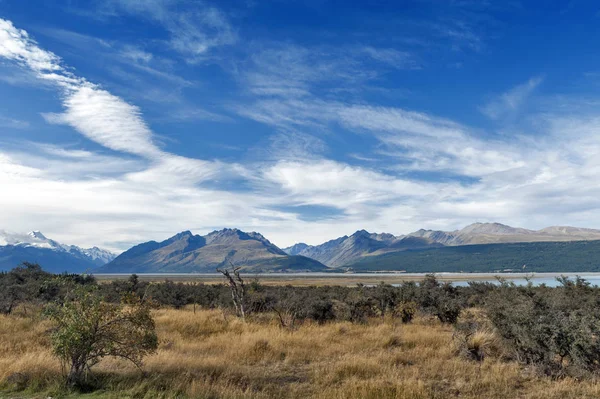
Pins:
x: 89, y: 329
x: 238, y: 290
x: 24, y: 283
x: 384, y: 297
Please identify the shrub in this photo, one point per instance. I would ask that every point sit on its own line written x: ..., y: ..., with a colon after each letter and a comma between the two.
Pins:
x: 447, y: 310
x: 441, y: 300
x: 89, y: 329
x: 406, y: 311
x: 360, y: 309
x: 383, y: 297
x: 321, y: 311
x: 475, y: 339
x: 555, y: 329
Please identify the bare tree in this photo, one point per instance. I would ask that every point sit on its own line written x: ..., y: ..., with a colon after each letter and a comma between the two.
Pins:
x: 238, y: 290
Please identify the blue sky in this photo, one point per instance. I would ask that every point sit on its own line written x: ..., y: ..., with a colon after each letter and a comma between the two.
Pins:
x: 123, y: 121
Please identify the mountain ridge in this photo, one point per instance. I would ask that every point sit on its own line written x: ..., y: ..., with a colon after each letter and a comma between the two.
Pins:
x: 344, y: 250
x: 186, y: 252
x: 56, y: 257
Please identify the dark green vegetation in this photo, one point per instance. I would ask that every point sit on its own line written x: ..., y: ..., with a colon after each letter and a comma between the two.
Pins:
x: 556, y: 330
x: 188, y: 253
x: 577, y: 256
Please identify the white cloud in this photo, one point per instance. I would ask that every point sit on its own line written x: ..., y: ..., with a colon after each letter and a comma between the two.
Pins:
x: 136, y: 55
x: 97, y: 114
x: 11, y: 123
x: 425, y: 143
x: 129, y: 55
x: 193, y: 32
x: 510, y: 102
x: 107, y: 120
x: 287, y: 70
x: 416, y: 141
x: 392, y: 57
x: 16, y: 45
x: 329, y: 183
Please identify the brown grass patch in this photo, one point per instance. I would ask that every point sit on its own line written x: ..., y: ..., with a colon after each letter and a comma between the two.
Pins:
x: 207, y: 355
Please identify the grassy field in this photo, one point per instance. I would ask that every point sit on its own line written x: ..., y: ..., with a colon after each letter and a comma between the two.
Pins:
x: 208, y: 354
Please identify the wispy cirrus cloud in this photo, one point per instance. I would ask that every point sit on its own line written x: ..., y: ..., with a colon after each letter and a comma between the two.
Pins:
x: 126, y: 54
x: 287, y: 70
x: 193, y: 31
x: 392, y: 57
x: 11, y: 123
x: 107, y: 120
x: 510, y: 102
x: 97, y: 114
x: 94, y: 112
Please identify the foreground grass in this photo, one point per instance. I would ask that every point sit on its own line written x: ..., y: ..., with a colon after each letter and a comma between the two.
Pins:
x: 208, y: 355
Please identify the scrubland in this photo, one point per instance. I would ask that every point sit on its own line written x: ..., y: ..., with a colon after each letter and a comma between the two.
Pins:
x: 212, y: 354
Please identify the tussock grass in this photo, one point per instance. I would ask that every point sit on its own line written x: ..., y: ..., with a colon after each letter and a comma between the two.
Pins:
x: 211, y: 355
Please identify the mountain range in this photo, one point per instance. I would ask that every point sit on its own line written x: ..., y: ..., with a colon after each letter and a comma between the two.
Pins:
x: 346, y: 250
x: 477, y: 247
x: 53, y: 256
x: 188, y: 253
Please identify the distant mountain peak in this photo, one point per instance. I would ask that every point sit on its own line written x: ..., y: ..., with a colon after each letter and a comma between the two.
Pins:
x: 225, y: 232
x: 206, y: 253
x: 183, y: 234
x: 492, y: 228
x: 296, y: 249
x: 37, y: 234
x: 52, y: 255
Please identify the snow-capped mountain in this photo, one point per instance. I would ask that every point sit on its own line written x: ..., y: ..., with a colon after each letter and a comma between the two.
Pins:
x: 50, y: 254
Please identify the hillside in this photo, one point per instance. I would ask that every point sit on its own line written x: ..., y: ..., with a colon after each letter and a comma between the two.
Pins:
x: 490, y: 233
x: 576, y: 256
x: 188, y: 253
x: 347, y: 250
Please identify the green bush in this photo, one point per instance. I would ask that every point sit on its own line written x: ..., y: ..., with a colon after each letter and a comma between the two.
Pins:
x: 555, y: 329
x: 89, y: 329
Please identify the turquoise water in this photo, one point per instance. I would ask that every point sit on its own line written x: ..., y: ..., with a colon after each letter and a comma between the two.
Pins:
x: 549, y: 281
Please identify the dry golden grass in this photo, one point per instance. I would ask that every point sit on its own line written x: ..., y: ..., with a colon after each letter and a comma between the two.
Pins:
x: 207, y: 355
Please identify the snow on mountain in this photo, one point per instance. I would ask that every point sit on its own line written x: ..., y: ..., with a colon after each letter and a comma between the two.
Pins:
x: 100, y: 254
x: 36, y: 239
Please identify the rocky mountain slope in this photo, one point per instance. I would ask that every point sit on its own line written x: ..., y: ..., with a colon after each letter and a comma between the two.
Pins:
x: 188, y: 253
x: 185, y: 252
x: 51, y: 255
x: 492, y: 233
x: 347, y: 250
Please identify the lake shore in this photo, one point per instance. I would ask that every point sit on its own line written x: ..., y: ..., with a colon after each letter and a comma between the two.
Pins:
x: 345, y: 279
